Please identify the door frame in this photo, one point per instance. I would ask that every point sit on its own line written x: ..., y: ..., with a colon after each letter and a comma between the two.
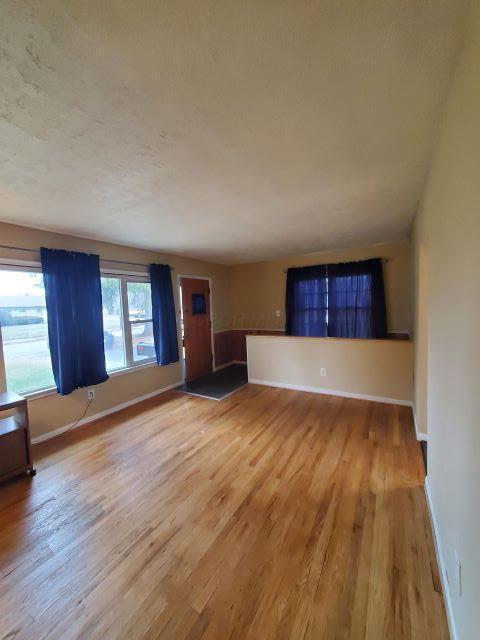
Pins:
x: 179, y: 293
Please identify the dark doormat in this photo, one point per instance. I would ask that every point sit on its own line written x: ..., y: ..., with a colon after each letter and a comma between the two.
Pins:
x: 219, y: 384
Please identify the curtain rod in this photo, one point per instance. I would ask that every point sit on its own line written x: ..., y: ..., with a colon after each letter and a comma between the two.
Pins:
x: 313, y: 265
x: 136, y: 264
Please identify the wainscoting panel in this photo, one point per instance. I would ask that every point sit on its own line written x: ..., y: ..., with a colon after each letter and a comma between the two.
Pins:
x: 231, y: 345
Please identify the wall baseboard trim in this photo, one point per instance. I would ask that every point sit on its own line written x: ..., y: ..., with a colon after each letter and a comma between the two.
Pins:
x: 228, y: 364
x: 222, y: 366
x: 330, y: 392
x: 420, y: 436
x: 441, y: 564
x: 102, y: 414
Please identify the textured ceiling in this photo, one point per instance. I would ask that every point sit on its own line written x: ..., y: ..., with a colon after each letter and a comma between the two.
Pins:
x: 232, y: 130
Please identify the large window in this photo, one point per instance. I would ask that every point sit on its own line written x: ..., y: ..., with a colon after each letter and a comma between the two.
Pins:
x: 24, y: 330
x: 127, y: 321
x: 344, y: 300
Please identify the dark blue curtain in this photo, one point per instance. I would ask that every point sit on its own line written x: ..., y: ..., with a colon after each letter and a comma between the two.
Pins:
x: 306, y: 301
x: 356, y: 300
x: 163, y: 314
x: 75, y: 322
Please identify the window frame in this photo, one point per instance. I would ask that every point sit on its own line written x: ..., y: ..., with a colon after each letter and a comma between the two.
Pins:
x: 305, y: 310
x: 7, y: 264
x: 128, y: 324
x: 125, y: 278
x: 27, y: 267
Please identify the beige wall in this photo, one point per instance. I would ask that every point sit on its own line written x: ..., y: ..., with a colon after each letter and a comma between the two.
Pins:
x: 379, y: 369
x: 449, y: 226
x: 54, y: 411
x: 420, y: 272
x: 258, y: 289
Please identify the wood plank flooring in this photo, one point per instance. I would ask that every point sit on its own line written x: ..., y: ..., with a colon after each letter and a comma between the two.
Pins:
x: 272, y: 514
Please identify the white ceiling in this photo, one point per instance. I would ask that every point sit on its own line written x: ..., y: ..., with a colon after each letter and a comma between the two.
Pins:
x: 229, y: 130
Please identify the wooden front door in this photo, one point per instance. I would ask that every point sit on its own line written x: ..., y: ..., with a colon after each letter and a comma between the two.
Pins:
x: 196, y: 327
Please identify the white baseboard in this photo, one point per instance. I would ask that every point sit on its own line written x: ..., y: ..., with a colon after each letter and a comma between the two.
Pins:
x: 331, y: 392
x: 441, y: 564
x: 228, y: 364
x: 420, y: 435
x: 102, y: 414
x: 222, y: 366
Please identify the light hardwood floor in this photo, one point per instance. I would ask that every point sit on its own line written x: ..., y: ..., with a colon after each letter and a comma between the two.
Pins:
x: 272, y: 514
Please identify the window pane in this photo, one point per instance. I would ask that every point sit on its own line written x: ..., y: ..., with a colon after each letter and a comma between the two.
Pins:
x: 142, y: 340
x: 23, y: 317
x: 112, y: 324
x: 139, y: 301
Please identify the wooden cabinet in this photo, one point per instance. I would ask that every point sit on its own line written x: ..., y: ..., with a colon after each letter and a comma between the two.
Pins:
x: 15, y: 449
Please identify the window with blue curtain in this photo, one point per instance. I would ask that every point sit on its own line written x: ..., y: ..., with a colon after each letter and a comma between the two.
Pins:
x: 164, y: 320
x: 356, y: 300
x: 306, y: 301
x: 75, y: 324
x: 345, y: 300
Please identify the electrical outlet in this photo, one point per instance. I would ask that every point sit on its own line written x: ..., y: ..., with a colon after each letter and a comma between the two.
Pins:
x: 323, y: 372
x: 277, y: 313
x: 458, y: 572
x: 91, y: 394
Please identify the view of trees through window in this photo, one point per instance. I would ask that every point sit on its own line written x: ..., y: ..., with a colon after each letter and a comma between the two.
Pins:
x: 113, y: 338
x: 127, y: 340
x: 140, y: 320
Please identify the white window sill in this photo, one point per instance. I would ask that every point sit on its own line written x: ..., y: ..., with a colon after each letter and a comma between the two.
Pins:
x: 42, y: 393
x: 134, y: 367
x: 33, y: 395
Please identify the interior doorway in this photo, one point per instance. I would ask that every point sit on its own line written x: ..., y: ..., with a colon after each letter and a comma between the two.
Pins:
x: 195, y: 307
